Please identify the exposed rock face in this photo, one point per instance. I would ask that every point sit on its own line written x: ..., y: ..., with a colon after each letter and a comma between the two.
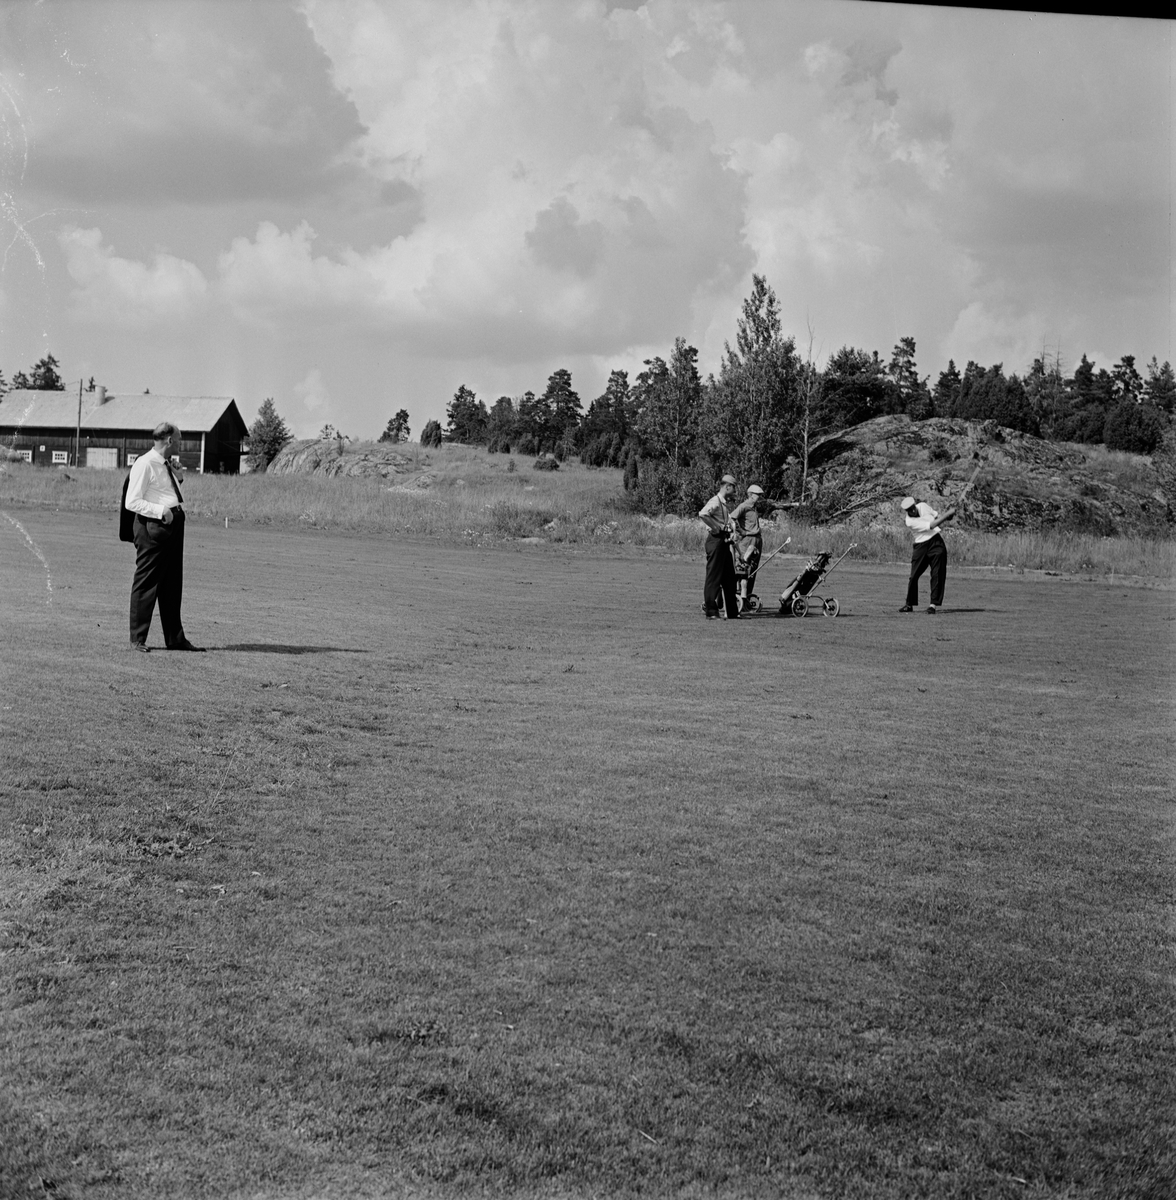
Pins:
x: 382, y: 461
x: 1024, y: 482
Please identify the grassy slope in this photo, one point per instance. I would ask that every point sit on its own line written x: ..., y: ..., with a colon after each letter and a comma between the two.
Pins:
x: 474, y: 498
x: 459, y: 868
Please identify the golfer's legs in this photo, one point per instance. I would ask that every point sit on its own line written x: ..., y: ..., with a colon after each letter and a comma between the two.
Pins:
x: 716, y: 551
x: 937, y: 555
x: 171, y: 583
x: 752, y: 570
x: 149, y: 565
x: 918, y: 566
x: 729, y: 584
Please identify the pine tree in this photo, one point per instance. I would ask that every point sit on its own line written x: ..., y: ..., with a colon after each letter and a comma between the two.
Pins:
x: 267, y: 435
x: 947, y: 390
x: 500, y: 426
x: 396, y: 430
x: 45, y: 377
x: 1160, y: 389
x: 431, y: 434
x: 564, y: 405
x: 467, y: 418
x: 752, y: 417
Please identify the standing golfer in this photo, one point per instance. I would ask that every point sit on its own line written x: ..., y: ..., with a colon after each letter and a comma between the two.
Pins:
x: 749, y: 541
x: 153, y: 495
x: 929, y: 551
x: 720, y: 568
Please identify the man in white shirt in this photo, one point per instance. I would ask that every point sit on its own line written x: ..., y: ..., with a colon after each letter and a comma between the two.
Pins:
x: 929, y: 551
x: 715, y: 514
x: 153, y: 495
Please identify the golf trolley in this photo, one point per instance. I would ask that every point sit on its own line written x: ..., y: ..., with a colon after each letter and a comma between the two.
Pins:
x: 797, y: 598
x: 742, y: 570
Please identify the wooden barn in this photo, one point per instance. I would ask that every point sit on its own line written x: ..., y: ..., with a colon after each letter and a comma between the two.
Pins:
x: 43, y: 428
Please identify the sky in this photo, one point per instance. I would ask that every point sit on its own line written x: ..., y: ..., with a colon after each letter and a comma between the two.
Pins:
x: 358, y: 206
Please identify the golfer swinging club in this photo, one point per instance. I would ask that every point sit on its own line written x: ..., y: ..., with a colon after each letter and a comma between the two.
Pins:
x: 929, y: 551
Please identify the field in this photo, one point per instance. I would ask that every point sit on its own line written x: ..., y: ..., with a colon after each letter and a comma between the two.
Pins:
x: 455, y: 870
x: 477, y: 498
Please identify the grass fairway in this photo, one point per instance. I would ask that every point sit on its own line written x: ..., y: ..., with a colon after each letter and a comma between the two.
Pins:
x: 456, y: 870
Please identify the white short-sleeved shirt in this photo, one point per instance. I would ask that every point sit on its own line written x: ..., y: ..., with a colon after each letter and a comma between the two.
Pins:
x: 716, y: 508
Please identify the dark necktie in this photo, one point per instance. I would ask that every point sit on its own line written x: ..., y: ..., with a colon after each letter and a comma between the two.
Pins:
x: 179, y: 494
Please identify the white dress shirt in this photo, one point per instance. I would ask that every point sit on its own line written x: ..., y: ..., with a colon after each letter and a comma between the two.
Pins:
x: 925, y: 524
x: 150, y: 492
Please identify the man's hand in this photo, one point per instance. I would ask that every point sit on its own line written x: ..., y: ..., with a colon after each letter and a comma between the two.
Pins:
x: 167, y: 517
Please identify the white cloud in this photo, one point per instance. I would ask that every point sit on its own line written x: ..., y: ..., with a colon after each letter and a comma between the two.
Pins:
x: 566, y: 200
x: 120, y: 291
x: 278, y: 273
x: 405, y: 195
x: 312, y: 392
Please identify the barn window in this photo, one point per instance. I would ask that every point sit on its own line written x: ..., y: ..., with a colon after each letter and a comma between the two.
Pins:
x: 131, y: 459
x: 61, y: 456
x: 27, y: 455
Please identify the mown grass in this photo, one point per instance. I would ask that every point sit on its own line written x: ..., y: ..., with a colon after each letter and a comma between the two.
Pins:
x: 469, y: 870
x: 474, y: 497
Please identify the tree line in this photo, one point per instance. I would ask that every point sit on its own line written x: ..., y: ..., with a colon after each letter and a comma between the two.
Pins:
x: 674, y: 432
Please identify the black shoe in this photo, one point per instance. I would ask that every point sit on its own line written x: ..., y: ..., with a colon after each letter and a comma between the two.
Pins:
x: 184, y: 644
x: 906, y: 608
x: 142, y: 647
x: 712, y: 616
x: 931, y: 611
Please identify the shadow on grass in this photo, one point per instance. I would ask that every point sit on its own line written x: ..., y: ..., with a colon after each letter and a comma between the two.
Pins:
x: 275, y: 648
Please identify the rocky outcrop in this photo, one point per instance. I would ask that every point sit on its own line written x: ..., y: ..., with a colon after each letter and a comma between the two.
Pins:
x: 374, y: 461
x: 1023, y: 482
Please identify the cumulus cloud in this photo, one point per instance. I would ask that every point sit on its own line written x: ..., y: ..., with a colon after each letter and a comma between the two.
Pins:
x: 120, y: 291
x: 192, y: 101
x: 481, y: 192
x: 313, y: 392
x: 566, y: 200
x: 277, y: 273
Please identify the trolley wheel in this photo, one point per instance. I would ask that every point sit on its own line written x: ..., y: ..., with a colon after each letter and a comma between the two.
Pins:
x: 754, y: 604
x: 830, y: 607
x: 799, y: 606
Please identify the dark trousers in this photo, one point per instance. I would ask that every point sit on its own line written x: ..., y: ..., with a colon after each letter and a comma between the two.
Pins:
x: 720, y: 577
x: 159, y: 576
x: 931, y: 554
x: 753, y: 561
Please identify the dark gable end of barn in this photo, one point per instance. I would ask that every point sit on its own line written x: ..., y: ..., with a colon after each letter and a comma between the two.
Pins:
x: 43, y: 428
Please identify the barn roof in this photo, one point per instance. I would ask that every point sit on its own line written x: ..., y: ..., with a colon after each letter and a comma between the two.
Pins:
x: 41, y: 410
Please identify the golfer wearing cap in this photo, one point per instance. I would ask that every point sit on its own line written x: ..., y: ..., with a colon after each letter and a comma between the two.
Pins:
x: 720, y: 569
x: 929, y: 551
x: 749, y: 542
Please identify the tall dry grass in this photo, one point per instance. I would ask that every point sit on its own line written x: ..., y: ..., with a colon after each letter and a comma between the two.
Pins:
x: 475, y: 496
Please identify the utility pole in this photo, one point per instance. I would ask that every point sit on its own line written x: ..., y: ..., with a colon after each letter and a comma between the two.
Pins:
x: 78, y: 431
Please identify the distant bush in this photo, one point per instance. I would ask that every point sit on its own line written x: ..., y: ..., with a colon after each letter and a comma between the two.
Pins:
x: 545, y: 464
x: 431, y: 434
x: 1135, y: 427
x: 632, y: 475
